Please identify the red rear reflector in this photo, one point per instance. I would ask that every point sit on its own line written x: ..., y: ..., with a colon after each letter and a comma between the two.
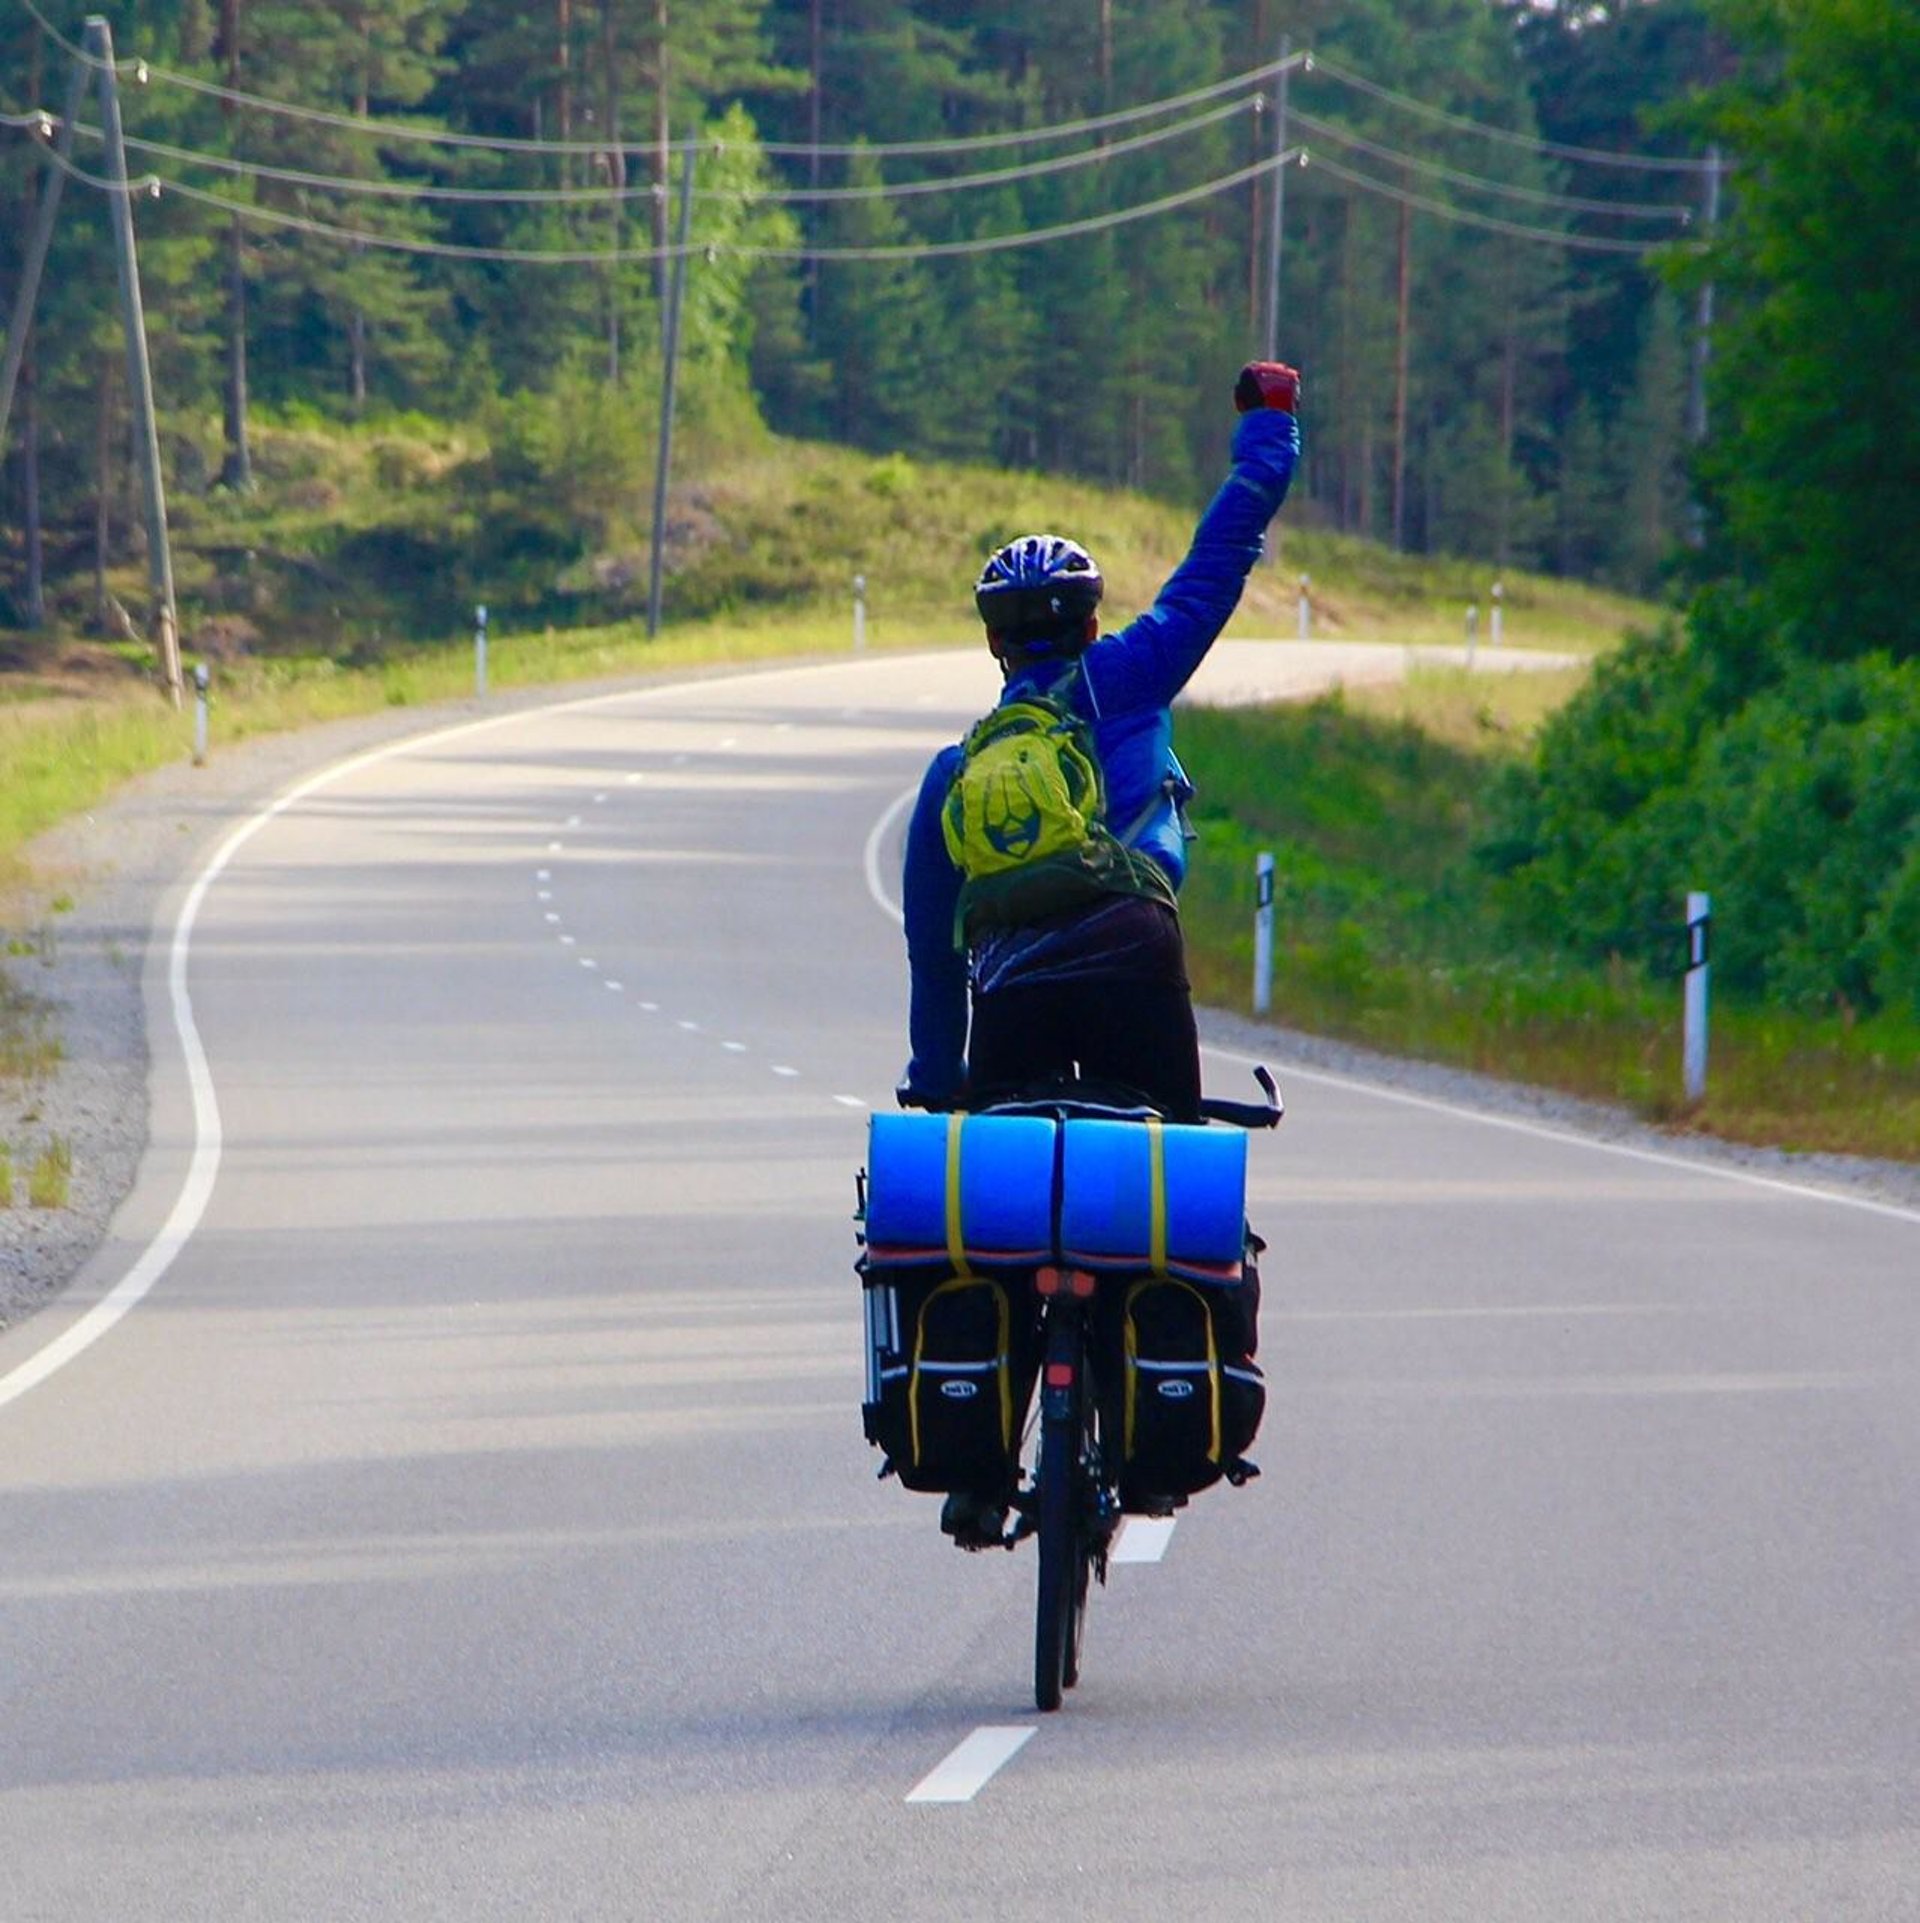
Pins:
x: 1046, y: 1281
x: 1080, y: 1282
x: 1059, y: 1375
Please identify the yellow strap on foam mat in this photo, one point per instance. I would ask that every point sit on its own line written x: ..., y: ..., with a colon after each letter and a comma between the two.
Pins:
x: 1157, y: 1198
x: 956, y: 1235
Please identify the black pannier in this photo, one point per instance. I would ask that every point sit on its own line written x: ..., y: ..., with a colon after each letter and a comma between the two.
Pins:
x: 1183, y: 1396
x: 951, y: 1361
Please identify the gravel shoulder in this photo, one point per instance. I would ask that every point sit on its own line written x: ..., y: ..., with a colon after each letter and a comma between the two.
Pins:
x: 117, y: 865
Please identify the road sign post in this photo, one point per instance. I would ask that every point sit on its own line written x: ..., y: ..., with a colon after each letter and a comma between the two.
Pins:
x: 1694, y: 1033
x: 1263, y: 935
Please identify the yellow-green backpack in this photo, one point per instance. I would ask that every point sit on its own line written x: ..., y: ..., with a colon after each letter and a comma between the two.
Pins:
x: 1025, y: 821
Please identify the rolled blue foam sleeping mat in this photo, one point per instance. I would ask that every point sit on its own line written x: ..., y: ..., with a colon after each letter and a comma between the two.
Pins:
x: 1005, y: 1192
x: 1107, y: 1214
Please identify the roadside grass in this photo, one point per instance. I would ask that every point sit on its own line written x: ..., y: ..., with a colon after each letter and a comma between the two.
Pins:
x: 779, y: 529
x: 29, y: 1048
x: 1387, y: 934
x: 6, y: 1175
x: 50, y: 1179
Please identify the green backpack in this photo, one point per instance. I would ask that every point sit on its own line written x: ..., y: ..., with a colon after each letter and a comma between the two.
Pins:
x: 1025, y: 821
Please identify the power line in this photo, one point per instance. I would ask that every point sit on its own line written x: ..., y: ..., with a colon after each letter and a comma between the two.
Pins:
x: 1033, y: 237
x: 1590, y: 243
x: 1573, y: 203
x: 401, y: 130
x: 558, y: 257
x: 1253, y: 77
x: 1596, y: 156
x: 600, y: 196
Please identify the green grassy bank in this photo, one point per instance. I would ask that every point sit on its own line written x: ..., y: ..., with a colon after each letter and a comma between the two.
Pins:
x: 1389, y: 933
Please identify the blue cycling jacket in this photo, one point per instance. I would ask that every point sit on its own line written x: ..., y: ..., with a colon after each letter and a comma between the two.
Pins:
x: 1125, y: 684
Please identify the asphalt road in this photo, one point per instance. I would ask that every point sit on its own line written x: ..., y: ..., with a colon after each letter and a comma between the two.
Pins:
x: 471, y: 1519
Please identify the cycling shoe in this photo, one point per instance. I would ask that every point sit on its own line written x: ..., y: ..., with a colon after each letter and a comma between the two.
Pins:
x: 974, y: 1521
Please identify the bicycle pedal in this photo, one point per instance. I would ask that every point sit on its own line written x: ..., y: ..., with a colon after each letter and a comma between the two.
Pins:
x: 1240, y: 1471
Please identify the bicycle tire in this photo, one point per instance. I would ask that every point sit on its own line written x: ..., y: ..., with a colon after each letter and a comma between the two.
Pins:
x: 1065, y: 1557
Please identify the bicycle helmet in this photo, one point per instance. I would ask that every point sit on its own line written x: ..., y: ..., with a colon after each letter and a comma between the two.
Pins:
x: 1036, y: 586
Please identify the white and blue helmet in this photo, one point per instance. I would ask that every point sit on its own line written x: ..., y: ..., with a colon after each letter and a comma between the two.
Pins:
x: 1037, y: 584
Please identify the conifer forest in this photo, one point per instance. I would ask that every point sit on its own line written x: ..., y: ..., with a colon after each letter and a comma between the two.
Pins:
x: 1031, y: 235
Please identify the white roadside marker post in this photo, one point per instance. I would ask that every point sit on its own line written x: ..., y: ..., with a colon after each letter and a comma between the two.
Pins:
x: 1306, y: 608
x: 859, y: 612
x: 1694, y: 1033
x: 480, y: 652
x: 200, y: 680
x: 1495, y: 620
x: 1263, y: 935
x: 1473, y: 631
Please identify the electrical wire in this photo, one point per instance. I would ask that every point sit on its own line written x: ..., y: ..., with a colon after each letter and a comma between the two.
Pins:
x: 1034, y: 236
x: 146, y: 187
x: 1307, y: 63
x: 600, y: 196
x: 400, y: 130
x: 1589, y: 243
x: 1479, y: 183
x: 916, y: 250
x: 60, y: 40
x: 1595, y: 156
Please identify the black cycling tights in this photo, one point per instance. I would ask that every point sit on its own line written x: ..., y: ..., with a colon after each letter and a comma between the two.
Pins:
x: 1137, y: 1033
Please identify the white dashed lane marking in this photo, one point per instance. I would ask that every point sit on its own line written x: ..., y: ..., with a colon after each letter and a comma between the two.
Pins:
x: 553, y: 917
x: 968, y: 1770
x: 1143, y: 1539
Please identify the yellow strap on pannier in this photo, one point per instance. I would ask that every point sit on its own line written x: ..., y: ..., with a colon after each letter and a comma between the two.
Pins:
x: 1157, y: 1197
x: 956, y: 1228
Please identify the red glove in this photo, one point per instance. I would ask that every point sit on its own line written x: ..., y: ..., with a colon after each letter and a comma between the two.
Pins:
x: 1267, y: 384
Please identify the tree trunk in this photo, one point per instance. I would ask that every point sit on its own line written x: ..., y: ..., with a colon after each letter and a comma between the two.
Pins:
x: 1351, y: 487
x: 1260, y: 142
x: 102, y: 483
x: 662, y: 158
x: 236, y: 466
x: 616, y: 179
x: 357, y: 324
x: 36, y: 597
x: 1400, y: 361
x: 816, y: 116
x: 1509, y: 382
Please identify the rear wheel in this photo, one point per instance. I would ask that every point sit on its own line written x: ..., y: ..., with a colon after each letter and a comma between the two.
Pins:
x: 1062, y: 1519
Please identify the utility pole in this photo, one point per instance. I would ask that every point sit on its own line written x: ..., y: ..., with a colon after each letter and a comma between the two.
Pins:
x: 1277, y: 203
x: 164, y: 619
x: 670, y: 353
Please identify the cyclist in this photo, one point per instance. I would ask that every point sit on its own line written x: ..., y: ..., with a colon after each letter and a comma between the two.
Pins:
x: 1100, y: 985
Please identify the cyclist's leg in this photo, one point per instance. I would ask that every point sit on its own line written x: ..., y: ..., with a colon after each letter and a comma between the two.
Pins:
x: 1019, y: 1036
x: 1142, y: 1034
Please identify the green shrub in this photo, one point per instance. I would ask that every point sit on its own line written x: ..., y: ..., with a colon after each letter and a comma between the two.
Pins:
x: 1796, y: 807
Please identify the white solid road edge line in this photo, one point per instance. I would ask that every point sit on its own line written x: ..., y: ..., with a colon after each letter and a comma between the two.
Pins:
x: 204, y: 1165
x: 962, y: 1776
x: 1541, y: 1132
x: 1802, y: 1191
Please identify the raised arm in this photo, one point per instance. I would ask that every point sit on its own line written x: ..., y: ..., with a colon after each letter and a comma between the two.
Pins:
x: 1151, y: 659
